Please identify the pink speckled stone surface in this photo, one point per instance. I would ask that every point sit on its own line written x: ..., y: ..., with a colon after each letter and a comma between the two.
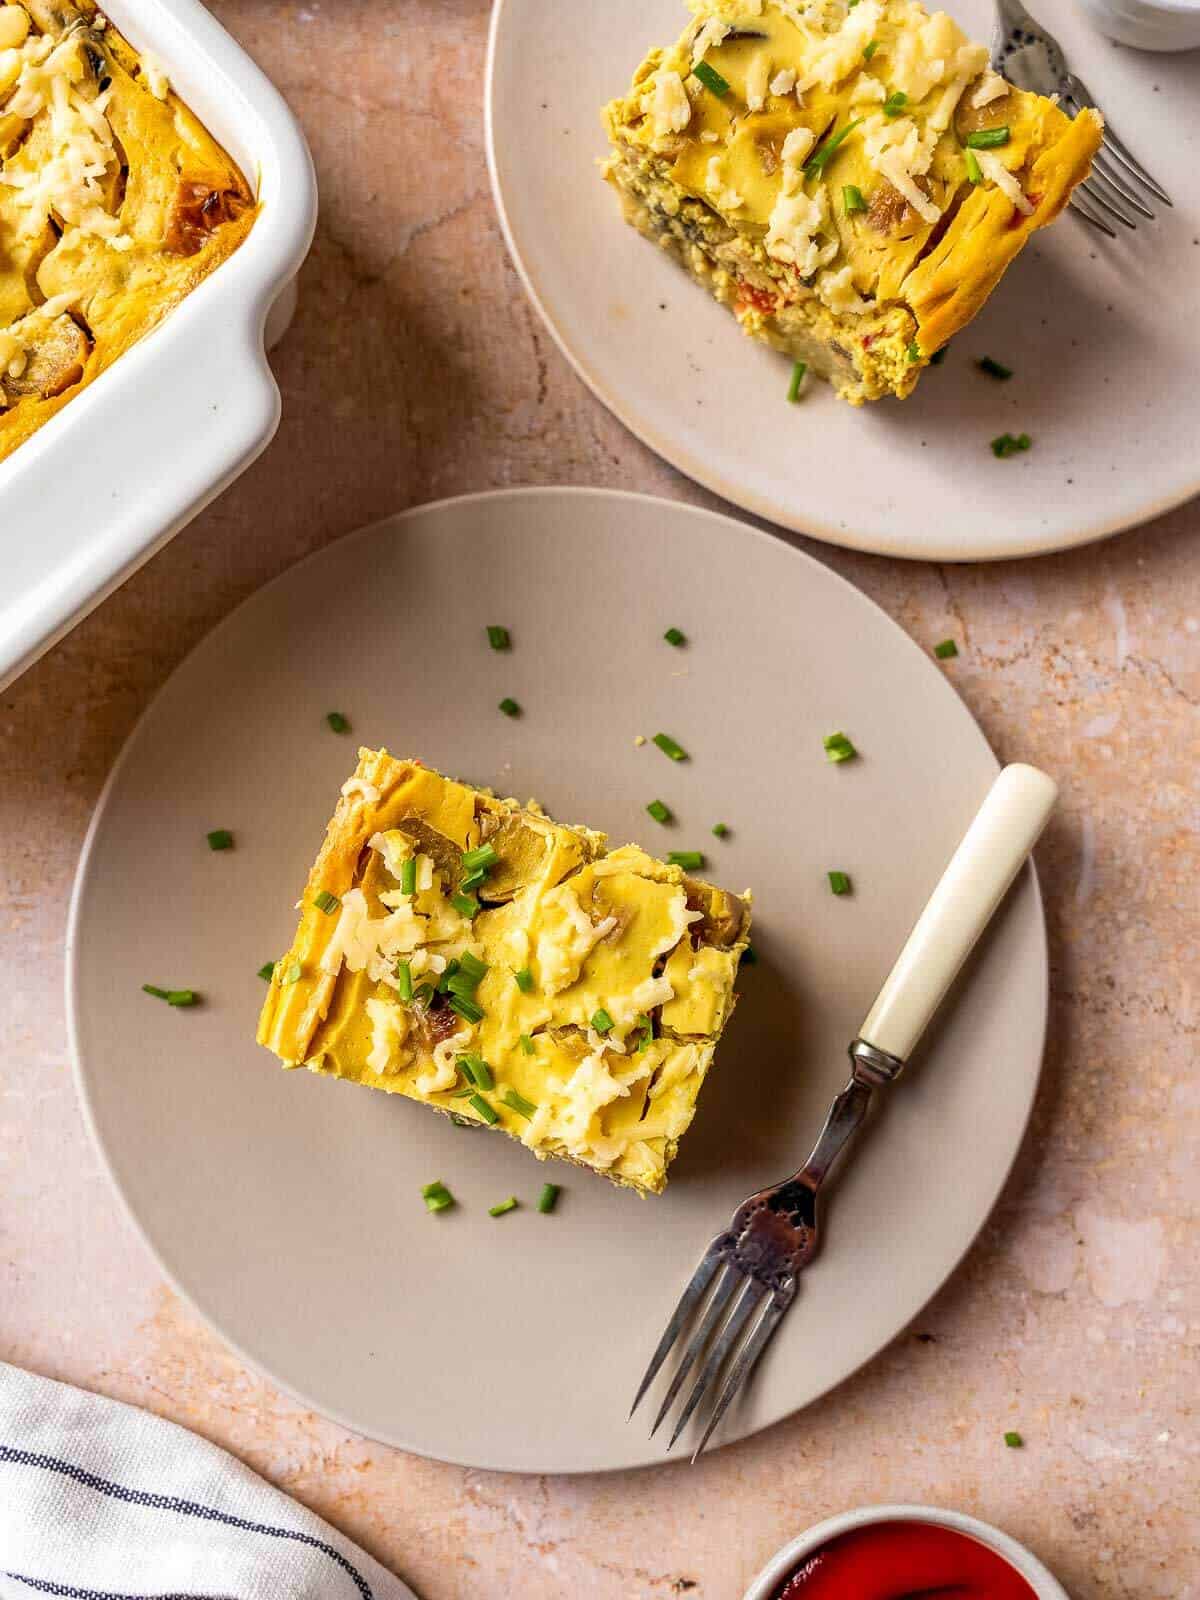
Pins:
x: 416, y: 369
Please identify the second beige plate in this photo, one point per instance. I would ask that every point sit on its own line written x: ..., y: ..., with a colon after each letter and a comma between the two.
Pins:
x: 288, y: 1209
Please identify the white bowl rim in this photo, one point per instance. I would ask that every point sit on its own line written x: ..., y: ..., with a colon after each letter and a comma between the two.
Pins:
x: 1043, y: 1582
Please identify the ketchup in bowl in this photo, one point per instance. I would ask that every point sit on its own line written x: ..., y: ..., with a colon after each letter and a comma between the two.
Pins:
x: 905, y: 1561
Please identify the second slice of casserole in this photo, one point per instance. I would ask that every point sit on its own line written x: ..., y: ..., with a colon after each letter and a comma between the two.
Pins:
x: 849, y: 176
x: 468, y: 952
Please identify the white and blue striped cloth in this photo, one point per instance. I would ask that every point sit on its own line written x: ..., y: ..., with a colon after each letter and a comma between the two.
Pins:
x: 100, y: 1501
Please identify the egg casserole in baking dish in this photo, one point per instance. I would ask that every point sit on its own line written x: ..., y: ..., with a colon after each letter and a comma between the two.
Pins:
x: 114, y: 204
x: 849, y: 176
x: 468, y: 952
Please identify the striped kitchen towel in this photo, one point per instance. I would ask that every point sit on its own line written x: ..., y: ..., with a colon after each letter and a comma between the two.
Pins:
x: 104, y: 1502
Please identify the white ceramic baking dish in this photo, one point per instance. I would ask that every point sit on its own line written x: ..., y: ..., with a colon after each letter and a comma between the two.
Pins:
x: 115, y: 474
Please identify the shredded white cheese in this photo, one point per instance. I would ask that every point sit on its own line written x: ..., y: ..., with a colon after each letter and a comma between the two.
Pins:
x: 669, y: 105
x: 155, y: 75
x: 360, y: 786
x: 898, y: 150
x: 389, y: 1029
x: 993, y: 168
x: 723, y: 197
x: 992, y: 87
x: 783, y: 82
x: 837, y: 291
x: 756, y: 82
x: 445, y: 1064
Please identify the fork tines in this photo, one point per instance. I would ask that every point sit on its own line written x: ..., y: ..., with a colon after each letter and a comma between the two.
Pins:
x: 731, y: 1298
x: 1111, y: 187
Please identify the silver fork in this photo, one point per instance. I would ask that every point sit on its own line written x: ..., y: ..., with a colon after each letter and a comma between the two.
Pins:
x: 1031, y: 57
x: 747, y: 1277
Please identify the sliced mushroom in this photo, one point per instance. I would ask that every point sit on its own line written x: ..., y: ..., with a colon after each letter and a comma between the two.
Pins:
x: 443, y: 852
x: 522, y: 852
x: 197, y: 211
x: 53, y: 364
x: 722, y: 915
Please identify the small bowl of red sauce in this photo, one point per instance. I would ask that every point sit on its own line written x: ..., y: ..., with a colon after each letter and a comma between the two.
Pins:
x: 904, y: 1553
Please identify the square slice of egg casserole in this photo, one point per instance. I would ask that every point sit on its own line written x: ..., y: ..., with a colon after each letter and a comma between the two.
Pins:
x: 849, y: 177
x: 471, y: 953
x: 114, y: 204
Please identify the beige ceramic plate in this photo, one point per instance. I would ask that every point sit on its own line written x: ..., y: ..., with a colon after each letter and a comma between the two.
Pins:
x: 1104, y: 336
x: 287, y: 1208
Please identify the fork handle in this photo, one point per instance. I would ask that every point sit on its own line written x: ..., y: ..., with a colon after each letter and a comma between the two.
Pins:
x: 993, y: 851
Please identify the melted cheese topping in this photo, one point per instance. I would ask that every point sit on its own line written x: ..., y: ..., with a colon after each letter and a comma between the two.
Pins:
x: 608, y: 1035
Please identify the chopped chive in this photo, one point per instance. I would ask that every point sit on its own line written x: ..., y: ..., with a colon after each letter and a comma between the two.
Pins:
x: 852, y: 199
x: 711, y: 79
x: 484, y: 1109
x: 675, y: 637
x: 504, y: 1207
x: 465, y: 904
x: 548, y: 1198
x: 838, y: 748
x: 526, y: 1044
x: 220, y: 839
x: 668, y: 747
x: 946, y: 651
x: 938, y: 356
x: 436, y: 1196
x: 720, y: 830
x: 267, y: 972
x: 326, y: 902
x: 816, y: 164
x: 498, y: 638
x: 689, y: 860
x: 1013, y: 1440
x: 602, y: 1022
x: 518, y: 1103
x: 659, y: 811
x: 477, y: 1071
x: 749, y: 956
x: 472, y: 881
x: 404, y: 983
x: 986, y: 138
x: 798, y: 371
x: 423, y: 994
x: 290, y: 973
x: 523, y: 978
x: 150, y: 988
x: 870, y: 49
x: 914, y: 352
x: 1006, y: 445
x: 510, y: 707
x: 474, y: 968
x: 408, y: 876
x: 483, y: 857
x: 464, y: 1007
x: 994, y: 369
x: 182, y: 997
x: 337, y: 721
x: 974, y: 170
x: 895, y: 103
x: 448, y: 972
x: 839, y: 883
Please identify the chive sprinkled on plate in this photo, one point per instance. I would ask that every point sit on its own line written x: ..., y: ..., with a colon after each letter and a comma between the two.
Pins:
x: 602, y: 1022
x: 669, y: 747
x: 498, y: 637
x: 267, y: 972
x: 816, y: 164
x: 182, y: 997
x: 526, y: 1044
x: 974, y: 170
x: 337, y: 721
x: 1008, y: 445
x: 436, y: 1196
x: 326, y: 902
x: 711, y: 79
x: 220, y: 839
x: 523, y: 978
x: 895, y: 103
x: 689, y: 860
x: 503, y: 1207
x: 946, y: 651
x: 798, y: 371
x: 994, y: 369
x: 465, y: 904
x: 720, y: 830
x: 675, y: 636
x: 408, y: 875
x: 659, y: 811
x: 838, y: 748
x: 870, y: 49
x: 1013, y: 1440
x: 548, y: 1198
x: 986, y: 138
x: 839, y: 883
x: 404, y: 983
x: 484, y: 1109
x: 510, y: 707
x: 152, y: 988
x: 852, y: 199
x: 518, y: 1103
